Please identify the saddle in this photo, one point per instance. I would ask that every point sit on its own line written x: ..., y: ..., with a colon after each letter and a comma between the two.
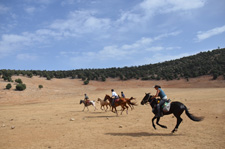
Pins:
x: 116, y: 100
x: 166, y: 106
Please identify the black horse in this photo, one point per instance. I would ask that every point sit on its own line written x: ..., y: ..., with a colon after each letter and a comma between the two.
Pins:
x: 176, y: 108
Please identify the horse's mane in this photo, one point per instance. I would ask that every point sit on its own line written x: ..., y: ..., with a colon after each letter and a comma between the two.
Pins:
x: 106, y: 96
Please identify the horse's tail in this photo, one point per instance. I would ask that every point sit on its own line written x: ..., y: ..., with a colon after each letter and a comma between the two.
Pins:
x: 133, y: 103
x: 192, y: 117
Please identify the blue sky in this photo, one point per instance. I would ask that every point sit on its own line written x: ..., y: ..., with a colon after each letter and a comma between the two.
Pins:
x: 74, y: 34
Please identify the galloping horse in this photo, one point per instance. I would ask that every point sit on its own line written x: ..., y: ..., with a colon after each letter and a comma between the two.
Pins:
x: 176, y: 108
x: 88, y: 104
x: 104, y: 103
x: 131, y: 104
x: 122, y: 102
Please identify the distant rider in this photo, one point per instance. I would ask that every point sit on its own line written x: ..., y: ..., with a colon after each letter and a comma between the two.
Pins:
x: 86, y: 99
x: 114, y: 97
x: 163, y: 98
x: 122, y: 94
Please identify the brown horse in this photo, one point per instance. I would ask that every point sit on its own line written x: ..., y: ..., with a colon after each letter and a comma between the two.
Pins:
x: 122, y: 102
x: 104, y: 104
x: 131, y: 104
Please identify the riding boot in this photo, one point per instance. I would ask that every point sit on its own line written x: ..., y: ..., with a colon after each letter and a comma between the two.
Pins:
x: 158, y: 111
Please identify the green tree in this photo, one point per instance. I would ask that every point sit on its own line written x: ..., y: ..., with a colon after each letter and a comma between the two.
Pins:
x: 8, y: 86
x: 20, y: 87
x: 86, y: 82
x: 40, y: 86
x: 19, y: 81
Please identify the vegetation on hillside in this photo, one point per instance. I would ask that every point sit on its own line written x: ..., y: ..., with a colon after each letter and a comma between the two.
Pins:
x: 205, y: 63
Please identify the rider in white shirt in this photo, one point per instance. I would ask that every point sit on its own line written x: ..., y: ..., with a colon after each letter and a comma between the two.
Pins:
x: 114, y: 96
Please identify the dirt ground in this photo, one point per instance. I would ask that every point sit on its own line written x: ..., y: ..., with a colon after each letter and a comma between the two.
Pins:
x: 52, y: 117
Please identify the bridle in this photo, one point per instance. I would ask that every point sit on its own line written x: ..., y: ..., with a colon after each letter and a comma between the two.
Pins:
x: 149, y: 98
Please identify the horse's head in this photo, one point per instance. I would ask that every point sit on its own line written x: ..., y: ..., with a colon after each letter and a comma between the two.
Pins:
x: 107, y: 97
x: 146, y: 99
x: 81, y: 101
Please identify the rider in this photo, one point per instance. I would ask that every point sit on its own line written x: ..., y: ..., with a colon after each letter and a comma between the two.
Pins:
x: 122, y: 94
x: 86, y: 99
x: 163, y: 97
x: 114, y: 96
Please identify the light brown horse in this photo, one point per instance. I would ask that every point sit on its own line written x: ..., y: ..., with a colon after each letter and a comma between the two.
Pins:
x: 121, y: 102
x: 104, y: 104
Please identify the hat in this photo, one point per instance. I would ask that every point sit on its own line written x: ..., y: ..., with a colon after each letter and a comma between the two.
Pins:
x: 157, y: 86
x: 112, y: 90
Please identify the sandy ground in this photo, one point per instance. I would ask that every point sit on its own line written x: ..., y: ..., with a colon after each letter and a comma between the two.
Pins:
x: 41, y: 118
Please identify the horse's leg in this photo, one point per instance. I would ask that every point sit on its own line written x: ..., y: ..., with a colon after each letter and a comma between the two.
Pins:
x: 106, y: 108
x: 157, y: 122
x: 179, y: 120
x: 153, y: 122
x: 130, y: 106
x: 84, y: 108
x: 87, y: 108
x: 122, y: 109
x: 116, y: 111
x: 127, y: 108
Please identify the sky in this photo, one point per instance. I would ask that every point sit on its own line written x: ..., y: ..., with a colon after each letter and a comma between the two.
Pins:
x: 81, y: 34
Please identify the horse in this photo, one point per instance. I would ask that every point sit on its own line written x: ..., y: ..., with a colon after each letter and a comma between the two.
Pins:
x: 104, y: 104
x: 131, y: 104
x: 122, y: 102
x: 88, y: 104
x: 176, y: 108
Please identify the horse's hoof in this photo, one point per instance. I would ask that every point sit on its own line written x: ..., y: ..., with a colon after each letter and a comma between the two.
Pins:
x: 174, y: 130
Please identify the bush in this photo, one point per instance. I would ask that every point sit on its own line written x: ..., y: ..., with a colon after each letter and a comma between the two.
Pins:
x: 86, y: 82
x: 20, y: 87
x: 8, y: 86
x: 19, y: 81
x: 40, y: 86
x: 103, y: 78
x: 7, y: 78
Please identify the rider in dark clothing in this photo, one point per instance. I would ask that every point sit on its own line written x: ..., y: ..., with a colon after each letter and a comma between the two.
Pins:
x: 122, y: 94
x: 163, y: 97
x: 86, y: 99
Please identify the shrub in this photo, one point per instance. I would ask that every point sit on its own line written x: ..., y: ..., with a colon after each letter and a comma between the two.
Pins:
x: 103, y: 78
x: 7, y: 78
x: 40, y: 86
x: 19, y: 81
x: 20, y: 87
x: 86, y: 82
x: 48, y: 78
x: 8, y: 86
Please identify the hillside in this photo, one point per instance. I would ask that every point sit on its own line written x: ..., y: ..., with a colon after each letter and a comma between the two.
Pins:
x: 204, y: 63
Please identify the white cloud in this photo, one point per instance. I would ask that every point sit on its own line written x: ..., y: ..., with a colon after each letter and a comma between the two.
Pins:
x: 81, y: 22
x: 166, y: 6
x: 30, y: 10
x: 26, y: 56
x: 10, y: 43
x: 67, y: 2
x: 212, y: 32
x: 3, y: 9
x: 124, y: 52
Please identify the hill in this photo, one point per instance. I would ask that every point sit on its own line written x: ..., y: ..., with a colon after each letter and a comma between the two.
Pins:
x: 204, y: 63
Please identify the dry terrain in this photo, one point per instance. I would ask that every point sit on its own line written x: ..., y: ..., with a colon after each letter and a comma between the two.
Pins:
x: 52, y: 117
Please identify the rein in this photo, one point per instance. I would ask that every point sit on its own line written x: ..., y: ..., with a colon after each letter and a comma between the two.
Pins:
x: 148, y: 100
